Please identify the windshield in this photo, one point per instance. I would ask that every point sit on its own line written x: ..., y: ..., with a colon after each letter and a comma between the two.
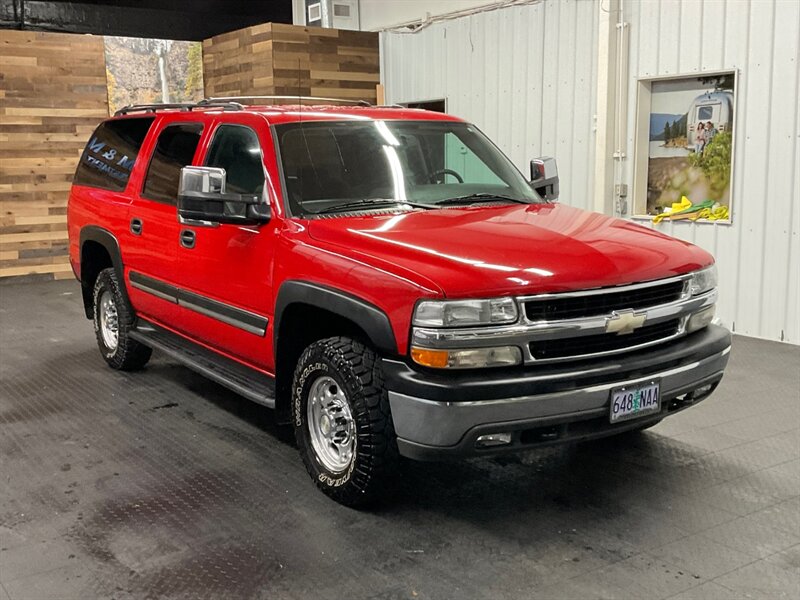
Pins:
x: 327, y: 164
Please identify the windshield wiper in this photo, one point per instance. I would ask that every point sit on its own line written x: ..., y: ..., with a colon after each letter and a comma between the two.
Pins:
x: 481, y: 197
x: 369, y: 202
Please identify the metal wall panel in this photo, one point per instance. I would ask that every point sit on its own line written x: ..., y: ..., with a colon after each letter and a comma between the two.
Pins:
x: 524, y: 75
x: 527, y: 76
x: 758, y: 256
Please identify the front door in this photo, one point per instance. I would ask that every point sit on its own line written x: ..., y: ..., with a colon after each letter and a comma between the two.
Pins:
x: 226, y: 269
x: 152, y: 235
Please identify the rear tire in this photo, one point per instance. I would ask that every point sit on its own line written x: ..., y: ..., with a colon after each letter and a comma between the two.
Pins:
x: 113, y: 320
x: 342, y: 421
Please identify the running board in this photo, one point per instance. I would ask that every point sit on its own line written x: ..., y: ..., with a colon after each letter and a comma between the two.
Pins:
x: 251, y: 384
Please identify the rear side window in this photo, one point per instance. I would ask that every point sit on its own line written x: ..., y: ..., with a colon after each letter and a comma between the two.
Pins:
x: 174, y: 150
x: 109, y: 156
x: 236, y: 149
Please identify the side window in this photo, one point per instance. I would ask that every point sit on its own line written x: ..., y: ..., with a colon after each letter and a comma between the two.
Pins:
x: 236, y: 149
x: 174, y: 150
x: 109, y: 156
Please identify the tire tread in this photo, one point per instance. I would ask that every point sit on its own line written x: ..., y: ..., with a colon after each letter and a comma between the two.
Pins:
x: 130, y: 355
x: 377, y: 456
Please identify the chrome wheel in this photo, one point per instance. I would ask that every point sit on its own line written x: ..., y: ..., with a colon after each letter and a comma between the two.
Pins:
x: 109, y: 320
x: 330, y: 424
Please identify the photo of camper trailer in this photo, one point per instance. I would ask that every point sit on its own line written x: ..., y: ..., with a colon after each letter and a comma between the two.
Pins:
x: 690, y: 141
x: 716, y: 107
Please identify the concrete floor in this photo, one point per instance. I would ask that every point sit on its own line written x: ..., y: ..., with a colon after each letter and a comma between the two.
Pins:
x: 162, y: 484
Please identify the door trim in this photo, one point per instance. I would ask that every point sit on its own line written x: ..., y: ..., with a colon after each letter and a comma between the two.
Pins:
x: 230, y: 315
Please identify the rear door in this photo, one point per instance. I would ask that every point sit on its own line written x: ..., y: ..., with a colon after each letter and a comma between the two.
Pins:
x: 152, y: 233
x: 226, y: 269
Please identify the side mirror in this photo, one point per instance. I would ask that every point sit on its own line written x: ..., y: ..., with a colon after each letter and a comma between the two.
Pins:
x: 544, y: 177
x: 202, y: 197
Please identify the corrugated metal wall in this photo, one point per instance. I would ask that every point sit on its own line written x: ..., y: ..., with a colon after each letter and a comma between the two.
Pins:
x: 759, y: 254
x: 524, y: 75
x: 527, y: 77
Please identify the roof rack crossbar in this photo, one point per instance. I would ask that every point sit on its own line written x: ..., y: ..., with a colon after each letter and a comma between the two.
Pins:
x: 152, y: 107
x: 182, y: 106
x: 299, y: 98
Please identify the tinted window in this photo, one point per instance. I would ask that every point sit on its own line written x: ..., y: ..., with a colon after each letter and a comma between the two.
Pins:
x: 174, y: 150
x: 109, y: 156
x: 236, y: 149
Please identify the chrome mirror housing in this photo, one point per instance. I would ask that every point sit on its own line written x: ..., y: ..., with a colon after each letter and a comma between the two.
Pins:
x: 544, y: 177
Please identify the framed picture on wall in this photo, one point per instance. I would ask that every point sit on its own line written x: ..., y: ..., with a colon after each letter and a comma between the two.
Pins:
x: 684, y: 152
x: 146, y: 71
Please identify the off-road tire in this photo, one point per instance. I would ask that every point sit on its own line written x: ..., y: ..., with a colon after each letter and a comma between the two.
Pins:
x: 129, y: 355
x: 356, y: 368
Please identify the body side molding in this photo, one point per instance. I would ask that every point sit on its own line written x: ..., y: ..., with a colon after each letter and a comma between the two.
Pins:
x: 230, y: 315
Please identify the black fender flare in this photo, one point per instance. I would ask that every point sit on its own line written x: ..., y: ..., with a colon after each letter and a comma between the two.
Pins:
x: 108, y: 241
x: 367, y: 316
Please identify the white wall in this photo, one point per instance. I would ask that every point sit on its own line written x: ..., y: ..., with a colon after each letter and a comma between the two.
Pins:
x: 527, y: 76
x: 524, y: 75
x: 382, y: 14
x: 759, y: 254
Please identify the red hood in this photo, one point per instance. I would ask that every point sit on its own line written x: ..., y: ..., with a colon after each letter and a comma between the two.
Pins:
x: 483, y: 251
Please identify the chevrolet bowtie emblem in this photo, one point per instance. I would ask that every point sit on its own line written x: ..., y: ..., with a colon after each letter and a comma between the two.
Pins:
x: 623, y: 322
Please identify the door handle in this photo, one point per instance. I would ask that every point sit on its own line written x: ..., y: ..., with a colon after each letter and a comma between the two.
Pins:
x: 187, y: 238
x: 136, y: 226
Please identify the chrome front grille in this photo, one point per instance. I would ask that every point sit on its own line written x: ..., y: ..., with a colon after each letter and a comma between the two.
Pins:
x: 584, y: 324
x: 568, y: 306
x: 603, y: 343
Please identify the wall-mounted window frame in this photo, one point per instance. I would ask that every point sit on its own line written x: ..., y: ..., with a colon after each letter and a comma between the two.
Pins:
x: 641, y: 141
x: 434, y: 104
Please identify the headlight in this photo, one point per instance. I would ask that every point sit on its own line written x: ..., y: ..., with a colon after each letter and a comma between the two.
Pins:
x: 704, y: 281
x: 467, y: 358
x: 465, y: 313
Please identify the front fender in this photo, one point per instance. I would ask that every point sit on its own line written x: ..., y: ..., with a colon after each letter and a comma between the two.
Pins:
x: 367, y: 316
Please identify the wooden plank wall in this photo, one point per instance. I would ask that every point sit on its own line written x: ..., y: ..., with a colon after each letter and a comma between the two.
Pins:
x: 52, y: 95
x: 278, y: 59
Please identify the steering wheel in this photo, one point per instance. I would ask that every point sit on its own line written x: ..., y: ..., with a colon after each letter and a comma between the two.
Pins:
x: 432, y: 177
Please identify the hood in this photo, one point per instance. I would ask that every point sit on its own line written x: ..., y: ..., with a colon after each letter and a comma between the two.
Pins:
x: 496, y: 250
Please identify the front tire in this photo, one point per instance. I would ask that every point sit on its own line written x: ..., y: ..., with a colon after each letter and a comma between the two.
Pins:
x: 342, y: 421
x: 113, y: 320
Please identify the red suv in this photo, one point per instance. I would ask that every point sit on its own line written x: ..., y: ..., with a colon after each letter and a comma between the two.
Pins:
x: 387, y: 280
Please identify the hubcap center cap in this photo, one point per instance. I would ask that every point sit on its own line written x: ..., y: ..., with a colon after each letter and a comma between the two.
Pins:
x: 325, y: 424
x: 330, y: 424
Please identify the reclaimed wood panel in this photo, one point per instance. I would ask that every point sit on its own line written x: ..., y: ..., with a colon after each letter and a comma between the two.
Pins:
x: 280, y: 59
x: 52, y: 95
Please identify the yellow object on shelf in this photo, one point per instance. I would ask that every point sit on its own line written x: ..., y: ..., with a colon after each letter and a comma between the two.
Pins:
x: 682, y: 205
x: 720, y: 213
x: 709, y: 210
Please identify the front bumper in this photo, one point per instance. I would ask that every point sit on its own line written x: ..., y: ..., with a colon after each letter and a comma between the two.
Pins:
x: 440, y: 415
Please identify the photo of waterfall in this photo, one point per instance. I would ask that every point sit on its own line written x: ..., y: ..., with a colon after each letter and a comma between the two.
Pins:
x: 143, y: 71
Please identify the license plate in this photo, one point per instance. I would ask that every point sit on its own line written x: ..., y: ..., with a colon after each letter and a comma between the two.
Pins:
x: 634, y: 401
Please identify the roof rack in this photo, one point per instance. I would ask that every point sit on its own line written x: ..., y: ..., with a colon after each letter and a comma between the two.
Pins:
x: 298, y: 98
x: 183, y: 106
x: 226, y: 103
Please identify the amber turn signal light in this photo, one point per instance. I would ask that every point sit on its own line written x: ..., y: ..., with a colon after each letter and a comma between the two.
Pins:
x: 467, y: 358
x: 430, y: 358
